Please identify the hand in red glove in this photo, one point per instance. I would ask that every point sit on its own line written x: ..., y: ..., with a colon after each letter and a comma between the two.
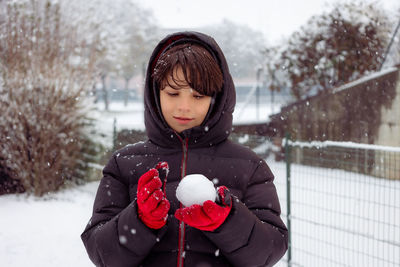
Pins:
x: 209, y: 216
x: 153, y: 207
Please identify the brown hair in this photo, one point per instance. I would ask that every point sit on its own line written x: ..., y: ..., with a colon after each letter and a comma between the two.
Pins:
x: 200, y: 69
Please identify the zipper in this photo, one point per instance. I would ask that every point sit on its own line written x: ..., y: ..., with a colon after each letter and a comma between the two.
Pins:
x: 181, y: 243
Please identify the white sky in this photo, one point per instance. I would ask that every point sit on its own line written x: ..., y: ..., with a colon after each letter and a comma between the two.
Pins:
x: 275, y: 18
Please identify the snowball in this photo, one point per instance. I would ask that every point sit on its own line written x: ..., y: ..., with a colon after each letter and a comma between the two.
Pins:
x: 195, y: 189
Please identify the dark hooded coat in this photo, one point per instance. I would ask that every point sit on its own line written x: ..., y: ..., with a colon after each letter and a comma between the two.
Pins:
x: 252, y: 235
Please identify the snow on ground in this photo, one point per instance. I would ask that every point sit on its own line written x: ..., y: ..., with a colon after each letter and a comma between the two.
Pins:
x: 41, y: 232
x: 249, y: 113
x: 126, y: 117
x: 339, y: 219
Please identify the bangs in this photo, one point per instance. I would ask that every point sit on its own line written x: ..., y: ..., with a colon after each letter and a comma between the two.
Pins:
x: 200, y: 69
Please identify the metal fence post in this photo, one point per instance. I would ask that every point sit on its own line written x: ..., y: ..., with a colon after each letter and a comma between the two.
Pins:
x: 115, y: 134
x: 287, y: 159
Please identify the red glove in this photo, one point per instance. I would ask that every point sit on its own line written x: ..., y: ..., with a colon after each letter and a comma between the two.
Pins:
x: 209, y: 216
x: 153, y: 207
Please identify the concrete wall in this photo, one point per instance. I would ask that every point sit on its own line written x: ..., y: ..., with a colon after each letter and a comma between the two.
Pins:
x: 389, y: 130
x: 389, y: 135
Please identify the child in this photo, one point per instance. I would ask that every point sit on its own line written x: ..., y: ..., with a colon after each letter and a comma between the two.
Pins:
x: 137, y: 219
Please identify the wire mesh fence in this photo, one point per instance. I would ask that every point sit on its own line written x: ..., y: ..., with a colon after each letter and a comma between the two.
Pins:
x: 341, y: 202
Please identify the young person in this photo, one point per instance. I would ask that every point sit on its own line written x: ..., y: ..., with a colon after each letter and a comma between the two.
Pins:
x: 137, y: 219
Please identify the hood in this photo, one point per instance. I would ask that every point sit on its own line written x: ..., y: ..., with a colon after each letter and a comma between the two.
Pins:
x: 218, y: 123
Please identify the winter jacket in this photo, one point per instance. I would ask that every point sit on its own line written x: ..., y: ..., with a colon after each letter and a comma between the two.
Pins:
x: 252, y: 235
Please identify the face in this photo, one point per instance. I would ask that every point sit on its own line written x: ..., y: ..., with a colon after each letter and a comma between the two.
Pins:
x: 183, y: 108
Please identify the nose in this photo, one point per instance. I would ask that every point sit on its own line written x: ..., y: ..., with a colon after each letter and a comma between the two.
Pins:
x: 184, y: 104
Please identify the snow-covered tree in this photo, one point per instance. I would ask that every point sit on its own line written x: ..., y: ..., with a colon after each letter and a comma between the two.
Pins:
x: 242, y: 46
x: 333, y: 48
x: 275, y: 75
x: 138, y: 38
x: 129, y: 35
x: 48, y: 56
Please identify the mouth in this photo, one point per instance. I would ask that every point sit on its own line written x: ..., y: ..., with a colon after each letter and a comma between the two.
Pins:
x: 182, y: 120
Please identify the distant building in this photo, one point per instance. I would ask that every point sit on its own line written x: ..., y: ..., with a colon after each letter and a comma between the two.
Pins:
x: 365, y: 111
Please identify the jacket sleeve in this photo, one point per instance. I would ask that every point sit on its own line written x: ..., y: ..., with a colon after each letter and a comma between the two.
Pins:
x: 253, y: 234
x: 115, y: 236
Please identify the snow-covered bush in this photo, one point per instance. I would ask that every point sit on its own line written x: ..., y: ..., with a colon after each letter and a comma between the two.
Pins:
x: 47, y: 67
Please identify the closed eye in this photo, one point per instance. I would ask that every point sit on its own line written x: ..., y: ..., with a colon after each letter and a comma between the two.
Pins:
x: 172, y: 94
x: 198, y: 96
